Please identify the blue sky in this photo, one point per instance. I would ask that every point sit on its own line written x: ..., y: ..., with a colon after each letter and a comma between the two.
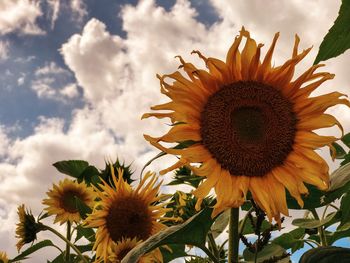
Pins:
x: 28, y: 53
x: 77, y: 75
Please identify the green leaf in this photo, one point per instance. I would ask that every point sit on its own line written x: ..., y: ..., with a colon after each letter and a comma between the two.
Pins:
x: 249, y: 229
x: 83, y: 209
x: 177, y: 251
x: 269, y: 251
x: 317, y: 198
x: 89, y: 175
x: 344, y: 208
x: 312, y: 223
x: 88, y: 233
x: 72, y: 168
x: 292, y: 240
x: 346, y: 159
x: 346, y: 139
x: 32, y: 249
x: 184, y: 175
x: 339, y: 177
x: 85, y: 248
x: 339, y: 151
x: 220, y: 223
x: 337, y: 40
x: 336, y: 219
x: 191, y: 232
x: 334, y: 236
x: 59, y: 259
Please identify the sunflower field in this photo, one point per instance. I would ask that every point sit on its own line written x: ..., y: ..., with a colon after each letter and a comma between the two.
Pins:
x: 242, y: 131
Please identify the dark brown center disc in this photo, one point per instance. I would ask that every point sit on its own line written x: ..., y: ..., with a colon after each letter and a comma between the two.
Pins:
x: 68, y: 200
x: 248, y: 127
x: 129, y: 217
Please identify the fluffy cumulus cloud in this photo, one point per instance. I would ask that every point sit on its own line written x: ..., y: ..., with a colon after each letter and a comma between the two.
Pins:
x: 117, y: 77
x: 20, y: 16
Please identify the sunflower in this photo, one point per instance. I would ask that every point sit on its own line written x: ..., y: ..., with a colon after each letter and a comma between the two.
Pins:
x: 121, y: 248
x: 3, y: 257
x: 62, y: 200
x: 250, y: 126
x: 27, y: 228
x: 123, y: 212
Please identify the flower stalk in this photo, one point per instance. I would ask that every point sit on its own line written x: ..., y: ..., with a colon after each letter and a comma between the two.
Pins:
x: 68, y: 238
x: 320, y: 229
x: 233, y: 239
x: 45, y: 227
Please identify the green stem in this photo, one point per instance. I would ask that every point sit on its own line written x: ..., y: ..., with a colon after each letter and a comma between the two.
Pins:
x: 243, y: 221
x: 45, y: 227
x: 310, y: 241
x: 256, y: 249
x: 211, y: 255
x: 68, y: 238
x: 233, y: 238
x: 213, y: 245
x: 320, y: 229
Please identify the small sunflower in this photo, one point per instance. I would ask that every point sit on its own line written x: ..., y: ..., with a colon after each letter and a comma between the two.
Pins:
x: 27, y: 228
x: 3, y: 257
x: 123, y: 212
x: 121, y: 248
x: 251, y: 126
x: 62, y: 200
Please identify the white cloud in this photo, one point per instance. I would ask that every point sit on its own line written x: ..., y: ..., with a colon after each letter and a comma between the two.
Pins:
x: 79, y: 9
x: 98, y: 61
x: 46, y: 82
x: 70, y: 90
x: 76, y: 7
x: 117, y: 77
x: 50, y: 69
x: 43, y: 88
x: 25, y: 60
x: 55, y: 8
x: 21, y: 79
x: 20, y: 16
x: 4, y: 50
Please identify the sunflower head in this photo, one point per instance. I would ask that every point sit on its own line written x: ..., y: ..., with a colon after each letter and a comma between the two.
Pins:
x: 125, y: 213
x: 3, y: 257
x: 121, y: 248
x: 251, y: 124
x: 61, y: 200
x: 27, y: 228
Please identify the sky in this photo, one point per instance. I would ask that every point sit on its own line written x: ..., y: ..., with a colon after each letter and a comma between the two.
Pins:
x: 77, y: 75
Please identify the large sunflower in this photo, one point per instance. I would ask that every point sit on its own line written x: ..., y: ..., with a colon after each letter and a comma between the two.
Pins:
x: 251, y: 126
x: 123, y: 212
x: 62, y: 200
